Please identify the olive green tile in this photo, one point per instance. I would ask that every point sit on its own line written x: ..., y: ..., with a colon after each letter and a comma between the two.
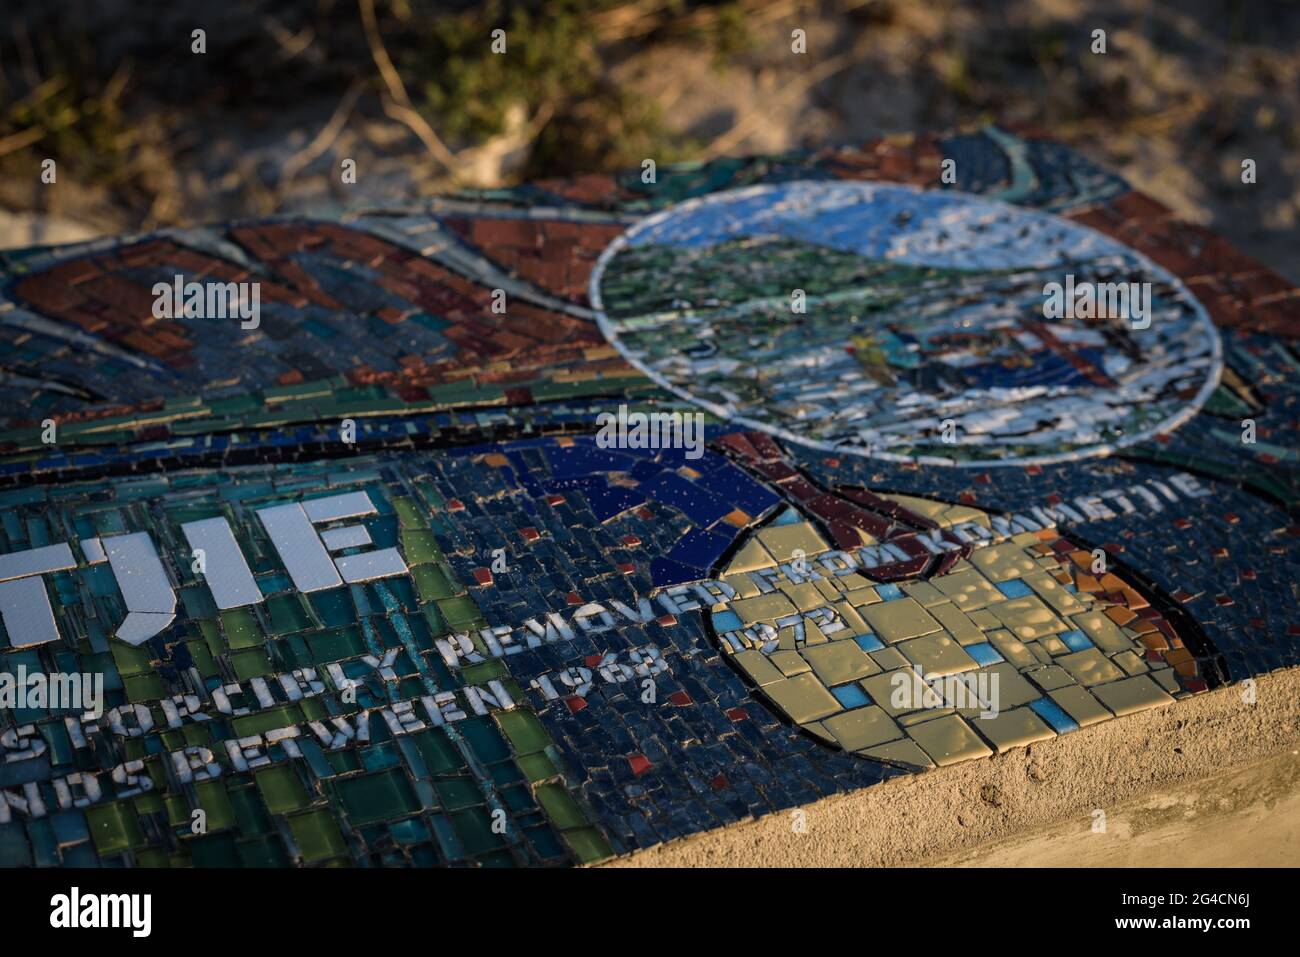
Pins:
x: 967, y: 589
x: 948, y: 740
x: 1013, y: 649
x: 904, y: 752
x: 1012, y: 689
x: 925, y: 593
x: 752, y: 555
x: 760, y: 669
x: 1027, y: 617
x: 1050, y: 678
x: 803, y: 698
x: 900, y: 619
x: 937, y: 655
x: 1090, y: 667
x: 1130, y: 662
x: 862, y: 728
x: 803, y: 596
x: 1105, y: 634
x: 1167, y: 679
x: 1057, y: 596
x: 1080, y: 705
x: 958, y: 624
x: 889, y: 659
x: 763, y: 608
x: 839, y: 661
x: 1003, y: 562
x: 899, y: 692
x: 782, y: 541
x: 790, y: 663
x: 1131, y: 695
x: 1012, y: 729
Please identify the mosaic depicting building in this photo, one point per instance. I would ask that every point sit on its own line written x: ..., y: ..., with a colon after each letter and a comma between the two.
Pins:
x: 365, y: 585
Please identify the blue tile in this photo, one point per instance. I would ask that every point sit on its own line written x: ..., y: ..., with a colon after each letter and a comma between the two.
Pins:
x: 726, y: 621
x: 665, y: 572
x: 889, y: 592
x: 983, y: 653
x: 1075, y: 640
x: 1051, y: 712
x: 1015, y: 588
x: 850, y: 695
x: 869, y: 642
x: 700, y: 549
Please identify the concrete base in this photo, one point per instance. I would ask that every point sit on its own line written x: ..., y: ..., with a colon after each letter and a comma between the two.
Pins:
x: 1209, y: 781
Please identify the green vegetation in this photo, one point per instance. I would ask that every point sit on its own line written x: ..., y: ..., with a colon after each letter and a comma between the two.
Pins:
x: 557, y: 71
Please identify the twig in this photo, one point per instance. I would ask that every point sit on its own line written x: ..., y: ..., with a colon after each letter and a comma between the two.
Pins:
x: 398, y: 104
x: 20, y: 141
x: 326, y: 137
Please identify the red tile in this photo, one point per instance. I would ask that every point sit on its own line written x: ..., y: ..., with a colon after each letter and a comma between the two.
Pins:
x: 640, y: 764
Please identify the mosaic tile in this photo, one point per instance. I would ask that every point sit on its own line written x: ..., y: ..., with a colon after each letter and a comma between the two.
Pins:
x: 477, y: 635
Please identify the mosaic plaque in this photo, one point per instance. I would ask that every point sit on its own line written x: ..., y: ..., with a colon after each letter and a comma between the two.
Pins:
x: 539, y: 526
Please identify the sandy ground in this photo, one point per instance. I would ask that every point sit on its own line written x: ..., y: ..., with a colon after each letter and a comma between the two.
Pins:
x: 1185, y: 91
x: 1246, y: 816
x: 1210, y: 781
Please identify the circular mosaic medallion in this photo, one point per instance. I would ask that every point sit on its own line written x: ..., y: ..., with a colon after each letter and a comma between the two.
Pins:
x: 887, y: 321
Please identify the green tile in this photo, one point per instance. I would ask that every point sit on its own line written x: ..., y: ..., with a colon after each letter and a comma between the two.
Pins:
x: 377, y: 797
x: 537, y: 767
x: 242, y: 630
x: 216, y: 803
x: 560, y: 806
x: 317, y: 836
x: 281, y: 789
x: 439, y: 754
x: 114, y: 827
x: 524, y: 730
x: 588, y: 844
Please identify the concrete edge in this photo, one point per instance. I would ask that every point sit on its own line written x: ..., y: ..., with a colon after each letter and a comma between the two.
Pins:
x: 920, y: 819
